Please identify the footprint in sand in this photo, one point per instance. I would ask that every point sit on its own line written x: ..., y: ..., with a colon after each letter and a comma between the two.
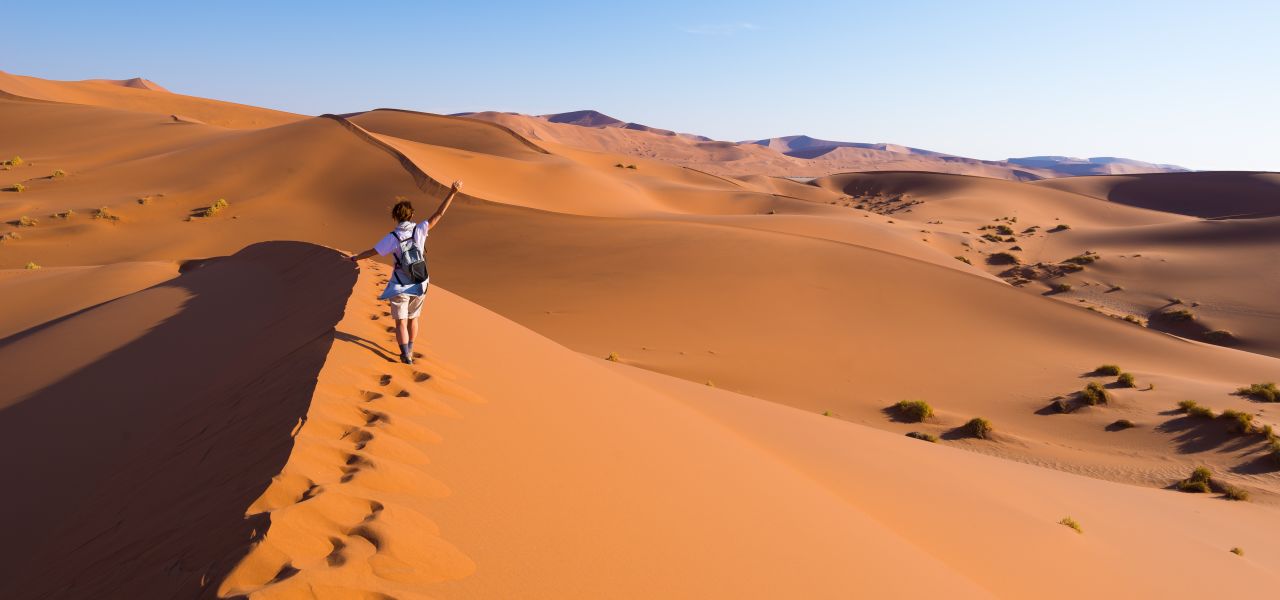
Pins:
x: 419, y: 376
x: 336, y: 557
x: 384, y: 380
x: 373, y: 417
x: 355, y: 463
x: 368, y: 396
x: 402, y: 394
x: 361, y: 438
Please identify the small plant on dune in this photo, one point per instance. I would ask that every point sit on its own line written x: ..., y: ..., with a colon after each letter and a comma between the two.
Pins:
x: 1195, y: 410
x: 920, y: 435
x: 17, y: 187
x: 979, y: 427
x: 31, y: 266
x: 9, y: 235
x: 15, y: 161
x: 1123, y: 424
x: 1274, y: 446
x: 1242, y: 421
x: 25, y: 221
x: 1265, y: 392
x: 144, y: 200
x: 1004, y: 230
x: 1083, y: 259
x: 1070, y: 267
x: 1107, y: 370
x: 914, y: 410
x: 1061, y: 227
x: 105, y: 214
x: 1179, y: 315
x: 1126, y: 380
x: 58, y: 174
x: 1232, y: 492
x: 964, y: 260
x: 991, y: 237
x: 1062, y: 405
x: 1072, y: 523
x: 1094, y: 394
x: 66, y: 214
x: 1198, y: 482
x: 1219, y: 336
x: 1059, y: 288
x: 215, y: 208
x: 1004, y: 258
x: 613, y: 357
x: 1238, y: 551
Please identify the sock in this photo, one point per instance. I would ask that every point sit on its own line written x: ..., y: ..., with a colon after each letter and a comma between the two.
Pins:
x: 405, y: 349
x: 410, y: 345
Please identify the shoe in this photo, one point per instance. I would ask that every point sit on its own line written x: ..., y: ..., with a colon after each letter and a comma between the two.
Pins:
x: 406, y: 359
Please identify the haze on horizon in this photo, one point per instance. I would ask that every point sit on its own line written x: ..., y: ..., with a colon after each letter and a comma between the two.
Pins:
x: 1163, y: 82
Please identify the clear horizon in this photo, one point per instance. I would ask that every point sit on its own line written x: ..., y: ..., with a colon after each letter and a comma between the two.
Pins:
x: 1162, y: 82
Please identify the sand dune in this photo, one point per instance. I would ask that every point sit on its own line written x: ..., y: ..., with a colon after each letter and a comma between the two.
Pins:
x: 147, y: 424
x: 142, y: 96
x: 741, y: 309
x: 1206, y: 194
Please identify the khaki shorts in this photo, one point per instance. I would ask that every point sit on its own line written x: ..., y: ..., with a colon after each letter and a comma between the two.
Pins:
x: 404, y: 306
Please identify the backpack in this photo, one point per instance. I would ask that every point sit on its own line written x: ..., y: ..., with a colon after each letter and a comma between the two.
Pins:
x: 410, y: 263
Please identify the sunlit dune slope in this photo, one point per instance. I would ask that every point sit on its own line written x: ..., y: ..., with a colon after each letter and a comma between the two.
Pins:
x: 142, y: 96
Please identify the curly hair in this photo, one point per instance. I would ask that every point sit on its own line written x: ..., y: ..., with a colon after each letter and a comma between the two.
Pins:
x: 402, y: 211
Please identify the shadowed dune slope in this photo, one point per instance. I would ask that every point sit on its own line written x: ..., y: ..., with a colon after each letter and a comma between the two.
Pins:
x: 1209, y: 194
x: 143, y: 98
x: 147, y: 424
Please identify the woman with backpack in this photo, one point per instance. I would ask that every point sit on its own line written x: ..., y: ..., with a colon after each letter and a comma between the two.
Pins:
x: 407, y: 245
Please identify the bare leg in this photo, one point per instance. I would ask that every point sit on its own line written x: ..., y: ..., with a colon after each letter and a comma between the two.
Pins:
x: 403, y: 335
x: 413, y: 329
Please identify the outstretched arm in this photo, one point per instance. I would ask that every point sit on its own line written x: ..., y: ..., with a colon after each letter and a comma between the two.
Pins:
x: 435, y: 218
x: 363, y: 255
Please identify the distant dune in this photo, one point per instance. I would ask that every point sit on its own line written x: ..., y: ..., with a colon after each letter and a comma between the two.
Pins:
x: 1214, y: 194
x: 788, y: 156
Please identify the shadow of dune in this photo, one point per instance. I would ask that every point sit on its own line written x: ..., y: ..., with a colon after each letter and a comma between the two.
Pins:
x: 137, y: 446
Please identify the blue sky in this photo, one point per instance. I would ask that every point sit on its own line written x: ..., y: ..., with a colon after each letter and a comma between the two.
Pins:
x: 1190, y: 83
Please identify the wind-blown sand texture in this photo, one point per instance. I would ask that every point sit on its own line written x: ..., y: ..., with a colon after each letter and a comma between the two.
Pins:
x: 201, y: 409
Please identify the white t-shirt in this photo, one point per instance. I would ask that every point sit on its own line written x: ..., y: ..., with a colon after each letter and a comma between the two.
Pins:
x: 390, y: 245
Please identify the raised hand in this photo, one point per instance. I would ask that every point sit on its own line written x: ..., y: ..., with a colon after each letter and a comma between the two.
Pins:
x: 457, y: 185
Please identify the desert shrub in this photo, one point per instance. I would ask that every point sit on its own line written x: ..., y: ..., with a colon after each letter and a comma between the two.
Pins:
x: 978, y: 427
x: 920, y: 435
x: 991, y: 237
x: 144, y: 200
x: 1004, y: 258
x: 1195, y: 410
x: 1274, y: 447
x: 1238, y: 551
x: 1082, y: 259
x: 1123, y: 424
x: 9, y: 235
x: 1198, y: 482
x: 1059, y: 288
x: 214, y: 208
x: 1243, y: 421
x: 1094, y: 394
x: 1004, y: 230
x: 1265, y: 392
x: 31, y: 266
x: 613, y: 357
x: 1070, y: 267
x: 1219, y: 336
x: 1234, y: 493
x: 105, y: 214
x: 1126, y: 380
x: 25, y: 221
x: 1062, y: 405
x: 15, y: 161
x: 58, y: 174
x: 1062, y: 227
x: 914, y: 410
x: 1178, y: 315
x: 1107, y: 370
x: 1072, y: 523
x: 17, y: 187
x: 964, y: 260
x: 66, y: 214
